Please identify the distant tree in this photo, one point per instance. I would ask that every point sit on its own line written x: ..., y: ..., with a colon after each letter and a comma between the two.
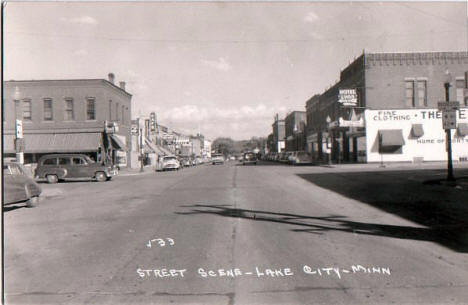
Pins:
x: 223, y: 145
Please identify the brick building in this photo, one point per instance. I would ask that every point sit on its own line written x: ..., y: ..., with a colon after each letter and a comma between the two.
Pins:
x: 295, y: 128
x: 68, y: 116
x: 392, y: 82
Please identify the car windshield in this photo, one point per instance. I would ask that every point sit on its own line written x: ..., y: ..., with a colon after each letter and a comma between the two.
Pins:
x: 216, y: 156
x: 12, y: 169
x: 89, y: 159
x: 169, y: 158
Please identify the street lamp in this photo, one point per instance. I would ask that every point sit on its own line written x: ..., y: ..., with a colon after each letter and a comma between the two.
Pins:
x: 448, y: 131
x: 19, y: 141
x: 329, y: 138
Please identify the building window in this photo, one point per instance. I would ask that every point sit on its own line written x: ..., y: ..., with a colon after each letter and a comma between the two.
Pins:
x: 90, y: 109
x: 409, y: 93
x: 461, y: 92
x: 123, y: 115
x: 48, y: 110
x: 110, y: 110
x: 117, y: 112
x: 69, y: 113
x: 27, y: 110
x: 422, y: 93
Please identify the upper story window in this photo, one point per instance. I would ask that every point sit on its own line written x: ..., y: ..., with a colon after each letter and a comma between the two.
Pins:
x: 460, y: 87
x: 90, y: 108
x: 48, y: 110
x: 110, y: 110
x: 123, y: 114
x: 422, y: 93
x: 117, y: 112
x: 409, y: 93
x: 27, y: 110
x: 69, y: 110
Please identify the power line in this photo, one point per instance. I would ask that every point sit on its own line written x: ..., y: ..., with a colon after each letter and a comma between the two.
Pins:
x: 200, y: 41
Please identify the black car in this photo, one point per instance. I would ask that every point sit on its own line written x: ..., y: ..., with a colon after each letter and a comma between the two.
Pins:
x: 249, y: 158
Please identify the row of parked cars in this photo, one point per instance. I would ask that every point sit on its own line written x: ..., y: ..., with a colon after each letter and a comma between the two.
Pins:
x: 290, y: 157
x: 172, y: 162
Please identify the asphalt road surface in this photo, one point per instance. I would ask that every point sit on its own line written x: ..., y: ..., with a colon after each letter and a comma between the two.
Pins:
x: 224, y: 234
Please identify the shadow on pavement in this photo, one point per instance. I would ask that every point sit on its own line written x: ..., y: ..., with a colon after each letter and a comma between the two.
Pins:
x: 442, y: 209
x: 320, y: 225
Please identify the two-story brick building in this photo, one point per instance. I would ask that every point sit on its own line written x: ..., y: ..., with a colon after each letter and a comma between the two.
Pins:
x: 393, y: 91
x: 68, y: 116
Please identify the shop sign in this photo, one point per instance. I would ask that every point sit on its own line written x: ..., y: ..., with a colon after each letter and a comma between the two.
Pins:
x: 351, y: 123
x: 347, y: 97
x: 19, y: 129
x: 134, y: 130
x: 448, y: 106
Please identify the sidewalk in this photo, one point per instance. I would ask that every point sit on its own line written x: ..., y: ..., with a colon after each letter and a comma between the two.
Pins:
x: 136, y: 171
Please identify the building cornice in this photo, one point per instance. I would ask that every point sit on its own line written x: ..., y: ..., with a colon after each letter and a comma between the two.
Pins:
x: 422, y: 58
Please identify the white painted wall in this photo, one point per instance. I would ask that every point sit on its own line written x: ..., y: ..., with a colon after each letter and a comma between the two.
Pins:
x: 431, y: 146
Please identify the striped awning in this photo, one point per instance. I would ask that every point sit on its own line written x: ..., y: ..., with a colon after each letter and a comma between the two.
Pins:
x: 55, y: 143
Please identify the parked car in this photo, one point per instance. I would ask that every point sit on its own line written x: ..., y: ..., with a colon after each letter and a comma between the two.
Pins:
x: 58, y: 167
x: 18, y: 186
x: 186, y: 162
x: 249, y: 158
x: 198, y: 160
x: 301, y: 157
x: 217, y: 159
x: 170, y: 162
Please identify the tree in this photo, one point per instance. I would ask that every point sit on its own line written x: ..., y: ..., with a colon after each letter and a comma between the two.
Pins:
x: 224, y: 146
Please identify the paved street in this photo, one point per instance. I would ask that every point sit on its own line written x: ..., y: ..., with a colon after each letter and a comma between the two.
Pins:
x: 232, y: 234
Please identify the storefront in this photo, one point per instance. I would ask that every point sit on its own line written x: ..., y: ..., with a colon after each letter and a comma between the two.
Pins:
x: 413, y: 135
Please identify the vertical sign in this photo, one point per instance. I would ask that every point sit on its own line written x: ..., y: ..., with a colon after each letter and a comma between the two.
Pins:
x: 19, y: 129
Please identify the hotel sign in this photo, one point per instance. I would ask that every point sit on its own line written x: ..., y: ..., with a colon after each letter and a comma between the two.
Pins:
x: 348, y: 97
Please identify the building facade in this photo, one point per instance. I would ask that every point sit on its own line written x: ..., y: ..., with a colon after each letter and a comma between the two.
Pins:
x: 295, y: 127
x: 278, y: 135
x: 339, y: 124
x: 91, y: 116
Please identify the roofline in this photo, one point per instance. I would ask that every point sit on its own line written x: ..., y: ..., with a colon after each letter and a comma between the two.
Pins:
x: 67, y: 80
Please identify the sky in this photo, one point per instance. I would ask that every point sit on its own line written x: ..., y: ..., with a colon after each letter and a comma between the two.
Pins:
x: 224, y: 68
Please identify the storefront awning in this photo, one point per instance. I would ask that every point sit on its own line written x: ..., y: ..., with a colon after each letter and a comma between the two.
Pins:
x: 417, y: 130
x: 391, y: 137
x: 117, y: 143
x: 462, y: 129
x: 59, y: 143
x: 150, y: 147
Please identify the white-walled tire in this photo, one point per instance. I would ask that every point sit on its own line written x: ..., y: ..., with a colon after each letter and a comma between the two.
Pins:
x: 101, y: 177
x: 52, y: 179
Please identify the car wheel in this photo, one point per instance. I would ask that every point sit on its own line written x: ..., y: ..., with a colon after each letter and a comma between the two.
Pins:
x: 101, y: 177
x: 52, y: 178
x: 108, y: 178
x: 32, y: 202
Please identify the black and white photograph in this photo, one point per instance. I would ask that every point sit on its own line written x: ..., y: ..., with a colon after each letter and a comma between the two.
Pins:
x: 234, y: 152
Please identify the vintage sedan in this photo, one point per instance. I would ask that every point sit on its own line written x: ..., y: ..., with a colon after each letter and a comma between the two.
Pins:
x: 18, y: 187
x: 56, y: 167
x: 170, y: 162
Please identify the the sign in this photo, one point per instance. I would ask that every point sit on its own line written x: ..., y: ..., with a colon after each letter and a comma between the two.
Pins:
x: 153, y: 121
x: 448, y: 106
x: 19, y: 129
x: 449, y: 119
x: 19, y: 145
x: 134, y: 130
x: 351, y: 123
x: 348, y: 97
